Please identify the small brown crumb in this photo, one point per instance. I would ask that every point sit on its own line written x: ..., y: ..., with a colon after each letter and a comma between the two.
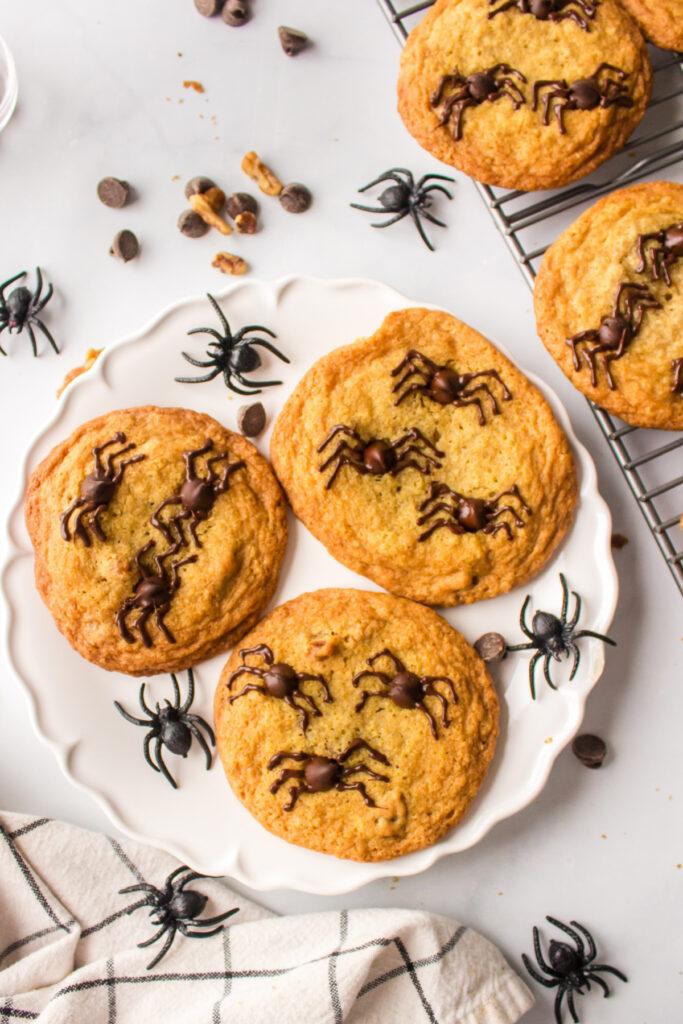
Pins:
x: 202, y: 206
x: 295, y: 198
x: 191, y: 224
x: 245, y: 223
x: 292, y: 40
x: 229, y: 264
x: 90, y: 357
x: 175, y: 177
x: 491, y: 647
x: 253, y: 166
x: 125, y: 246
x: 619, y: 541
x: 113, y: 192
x: 241, y: 202
x: 190, y: 84
x: 251, y: 419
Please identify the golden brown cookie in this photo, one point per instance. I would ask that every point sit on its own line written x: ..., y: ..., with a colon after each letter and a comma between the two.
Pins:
x: 479, y: 487
x: 609, y: 304
x: 486, y: 125
x: 370, y: 770
x: 661, y: 21
x: 158, y: 537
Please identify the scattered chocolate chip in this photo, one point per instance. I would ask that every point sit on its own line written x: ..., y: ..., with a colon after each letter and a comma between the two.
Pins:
x: 292, y: 40
x: 113, y: 192
x: 191, y: 224
x: 208, y: 7
x: 198, y: 184
x: 619, y: 541
x: 251, y: 419
x: 245, y: 223
x: 241, y: 202
x: 236, y: 13
x: 125, y: 246
x: 491, y: 647
x: 590, y: 750
x: 295, y: 198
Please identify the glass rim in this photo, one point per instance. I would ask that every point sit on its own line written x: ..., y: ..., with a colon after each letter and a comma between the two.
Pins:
x: 8, y: 98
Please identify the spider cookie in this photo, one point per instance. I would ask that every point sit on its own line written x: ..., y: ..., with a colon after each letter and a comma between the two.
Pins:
x: 524, y: 94
x: 660, y: 21
x: 356, y: 724
x: 609, y: 304
x: 158, y: 538
x: 424, y: 460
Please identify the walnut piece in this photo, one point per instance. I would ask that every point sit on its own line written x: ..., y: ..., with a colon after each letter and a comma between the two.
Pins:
x: 227, y: 263
x: 262, y: 174
x: 201, y: 205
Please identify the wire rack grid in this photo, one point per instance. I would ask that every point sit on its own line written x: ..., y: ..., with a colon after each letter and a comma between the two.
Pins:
x: 650, y: 460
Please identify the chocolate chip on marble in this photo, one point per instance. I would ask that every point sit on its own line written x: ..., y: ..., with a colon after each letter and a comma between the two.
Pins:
x: 113, y: 192
x: 295, y: 198
x: 236, y: 13
x: 292, y: 40
x: 590, y: 750
x: 191, y: 224
x: 198, y: 184
x: 491, y: 647
x: 208, y: 7
x: 125, y: 246
x: 251, y: 419
x: 240, y: 202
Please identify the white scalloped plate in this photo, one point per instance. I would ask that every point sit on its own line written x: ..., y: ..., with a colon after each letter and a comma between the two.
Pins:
x: 202, y: 823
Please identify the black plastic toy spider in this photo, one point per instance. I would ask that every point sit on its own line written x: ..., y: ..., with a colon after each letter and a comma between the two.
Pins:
x: 174, y: 909
x: 233, y: 355
x: 171, y: 726
x: 406, y: 197
x: 552, y: 637
x: 21, y: 309
x: 570, y: 970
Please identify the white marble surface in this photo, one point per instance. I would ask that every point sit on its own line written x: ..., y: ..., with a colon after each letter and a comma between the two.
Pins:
x: 602, y: 847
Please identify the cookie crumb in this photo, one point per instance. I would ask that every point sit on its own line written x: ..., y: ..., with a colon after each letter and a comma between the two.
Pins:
x: 618, y: 541
x: 191, y: 84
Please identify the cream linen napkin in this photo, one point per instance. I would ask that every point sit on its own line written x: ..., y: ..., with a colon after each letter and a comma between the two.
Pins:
x: 69, y: 951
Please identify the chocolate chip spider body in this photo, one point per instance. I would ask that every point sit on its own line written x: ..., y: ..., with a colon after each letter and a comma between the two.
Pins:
x: 320, y: 774
x: 97, y: 490
x: 197, y: 495
x: 579, y: 11
x: 380, y: 457
x: 281, y: 681
x: 464, y: 514
x: 406, y: 689
x: 583, y: 94
x: 610, y: 340
x: 666, y: 249
x: 444, y: 385
x: 152, y: 594
x: 489, y: 85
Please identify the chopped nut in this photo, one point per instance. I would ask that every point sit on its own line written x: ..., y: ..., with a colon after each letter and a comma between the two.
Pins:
x: 292, y: 40
x: 229, y: 264
x: 113, y: 192
x: 191, y: 224
x: 125, y: 246
x: 295, y: 198
x: 245, y: 223
x: 202, y: 206
x: 90, y: 357
x: 251, y: 419
x: 491, y: 647
x: 198, y: 184
x: 241, y: 202
x: 261, y: 173
x: 215, y: 197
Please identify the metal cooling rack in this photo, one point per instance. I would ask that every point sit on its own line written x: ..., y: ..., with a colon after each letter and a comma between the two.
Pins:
x: 650, y: 460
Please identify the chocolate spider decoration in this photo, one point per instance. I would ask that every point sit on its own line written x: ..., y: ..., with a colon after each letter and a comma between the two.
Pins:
x: 279, y: 680
x: 583, y: 94
x: 444, y: 385
x: 616, y: 331
x: 233, y: 355
x: 580, y: 11
x: 171, y: 726
x: 667, y: 249
x: 406, y: 689
x: 320, y: 774
x: 197, y: 495
x: 21, y: 309
x: 551, y: 637
x: 570, y: 970
x: 379, y: 457
x: 175, y: 909
x: 152, y: 594
x: 464, y: 514
x: 97, y: 490
x: 405, y: 198
x: 677, y: 374
x: 471, y: 90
